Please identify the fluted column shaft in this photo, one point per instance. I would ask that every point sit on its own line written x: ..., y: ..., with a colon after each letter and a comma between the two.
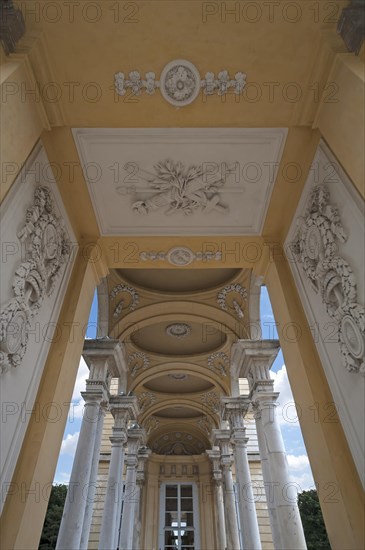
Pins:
x: 246, y: 500
x: 135, y: 437
x: 232, y: 534
x: 222, y: 540
x: 268, y: 484
x: 222, y: 439
x: 93, y: 479
x: 143, y: 455
x: 114, y: 494
x: 74, y: 511
x: 234, y: 410
x: 215, y: 457
x: 123, y: 409
x: 287, y: 511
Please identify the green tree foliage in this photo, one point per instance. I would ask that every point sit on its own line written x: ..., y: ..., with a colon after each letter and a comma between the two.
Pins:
x: 312, y: 520
x: 53, y: 517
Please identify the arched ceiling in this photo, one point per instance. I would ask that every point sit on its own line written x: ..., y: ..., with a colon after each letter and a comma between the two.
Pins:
x: 173, y: 280
x: 178, y: 327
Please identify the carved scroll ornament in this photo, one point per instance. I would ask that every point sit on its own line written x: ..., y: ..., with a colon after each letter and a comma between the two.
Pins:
x: 316, y: 248
x: 45, y: 239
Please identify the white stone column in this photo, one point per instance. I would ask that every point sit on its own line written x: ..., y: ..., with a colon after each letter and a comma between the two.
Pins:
x: 214, y: 455
x: 136, y: 437
x: 93, y: 480
x: 105, y: 359
x: 268, y: 484
x: 222, y: 438
x: 287, y: 511
x: 234, y: 410
x: 123, y: 409
x: 73, y: 514
x: 143, y: 455
x: 256, y: 359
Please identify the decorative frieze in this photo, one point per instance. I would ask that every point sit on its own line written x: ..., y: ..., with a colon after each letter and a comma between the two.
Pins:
x: 145, y: 399
x: 45, y: 240
x: 232, y: 297
x: 137, y: 361
x: 185, y: 189
x: 219, y: 362
x: 129, y: 299
x: 330, y: 275
x: 212, y: 401
x: 180, y: 83
x: 180, y: 256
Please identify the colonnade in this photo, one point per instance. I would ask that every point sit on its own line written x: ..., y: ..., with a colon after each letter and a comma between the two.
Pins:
x: 105, y: 359
x: 235, y: 503
x: 252, y: 360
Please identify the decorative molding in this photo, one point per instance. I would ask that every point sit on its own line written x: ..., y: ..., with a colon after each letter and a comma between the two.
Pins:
x: 178, y: 330
x: 351, y: 25
x: 151, y: 424
x: 212, y: 401
x: 330, y: 275
x: 12, y: 26
x: 129, y: 302
x: 178, y: 443
x: 233, y: 289
x: 204, y: 424
x: 179, y: 83
x: 219, y: 362
x: 48, y: 249
x: 181, y: 188
x: 145, y: 399
x: 180, y: 256
x: 136, y: 361
x: 178, y: 376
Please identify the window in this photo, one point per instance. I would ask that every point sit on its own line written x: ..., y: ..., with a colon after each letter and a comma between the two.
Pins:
x: 178, y: 517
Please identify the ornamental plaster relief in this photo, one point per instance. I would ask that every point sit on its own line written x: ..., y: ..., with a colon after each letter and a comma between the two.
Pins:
x: 325, y: 249
x: 180, y: 181
x: 44, y: 236
x: 179, y: 83
x: 34, y: 275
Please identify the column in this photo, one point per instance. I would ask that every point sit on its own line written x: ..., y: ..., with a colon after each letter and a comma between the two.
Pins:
x: 287, y: 513
x: 143, y: 455
x: 215, y: 455
x: 73, y: 515
x: 123, y: 408
x: 234, y: 410
x: 136, y: 437
x: 222, y: 439
x: 93, y: 479
x: 256, y: 360
x: 103, y: 357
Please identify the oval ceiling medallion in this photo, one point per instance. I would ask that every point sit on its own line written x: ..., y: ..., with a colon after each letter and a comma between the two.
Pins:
x: 178, y: 330
x: 180, y: 82
x: 178, y: 376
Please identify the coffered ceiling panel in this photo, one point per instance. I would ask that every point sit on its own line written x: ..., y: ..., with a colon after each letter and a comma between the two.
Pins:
x: 180, y: 181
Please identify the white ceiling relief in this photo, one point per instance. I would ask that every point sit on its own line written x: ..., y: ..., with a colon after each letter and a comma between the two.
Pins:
x: 180, y: 181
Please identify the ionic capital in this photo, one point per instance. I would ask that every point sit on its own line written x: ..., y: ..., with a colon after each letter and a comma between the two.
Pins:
x: 253, y: 360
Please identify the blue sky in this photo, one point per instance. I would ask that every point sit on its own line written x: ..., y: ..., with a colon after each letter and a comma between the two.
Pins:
x: 297, y: 457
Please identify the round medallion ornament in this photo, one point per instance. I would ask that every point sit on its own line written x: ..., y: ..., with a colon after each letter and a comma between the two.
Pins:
x: 180, y: 256
x: 178, y: 330
x: 352, y: 337
x: 180, y: 83
x: 178, y: 376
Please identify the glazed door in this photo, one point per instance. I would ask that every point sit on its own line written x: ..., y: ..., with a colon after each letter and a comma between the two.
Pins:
x: 179, y: 517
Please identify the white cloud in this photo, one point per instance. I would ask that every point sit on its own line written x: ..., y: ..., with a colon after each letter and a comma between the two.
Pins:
x: 287, y: 413
x: 82, y: 375
x: 69, y: 444
x: 62, y: 477
x: 298, y: 462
